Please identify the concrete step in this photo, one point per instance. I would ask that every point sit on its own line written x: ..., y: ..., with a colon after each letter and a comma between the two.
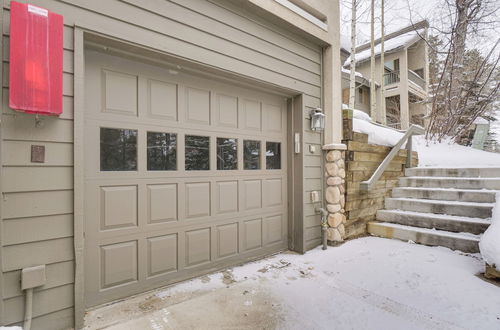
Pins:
x: 456, y: 241
x: 449, y: 182
x: 437, y: 221
x: 446, y: 194
x: 483, y: 172
x: 466, y: 209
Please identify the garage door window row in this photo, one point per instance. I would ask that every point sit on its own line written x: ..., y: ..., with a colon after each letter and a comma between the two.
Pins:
x: 119, y: 152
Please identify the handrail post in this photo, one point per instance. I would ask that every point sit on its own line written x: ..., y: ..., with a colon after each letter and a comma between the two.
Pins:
x: 409, y: 151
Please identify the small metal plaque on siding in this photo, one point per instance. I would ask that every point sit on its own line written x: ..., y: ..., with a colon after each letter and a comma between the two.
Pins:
x: 37, y: 154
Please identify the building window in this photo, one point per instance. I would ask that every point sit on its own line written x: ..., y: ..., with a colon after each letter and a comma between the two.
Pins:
x: 162, y: 151
x: 251, y: 155
x: 197, y: 153
x: 118, y: 149
x: 273, y: 155
x: 361, y: 96
x: 227, y: 154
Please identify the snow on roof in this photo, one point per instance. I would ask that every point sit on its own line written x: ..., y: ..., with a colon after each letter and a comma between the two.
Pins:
x: 345, y: 42
x: 401, y: 41
x: 358, y: 74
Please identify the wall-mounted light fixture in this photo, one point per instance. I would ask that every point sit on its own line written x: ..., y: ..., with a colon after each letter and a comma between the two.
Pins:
x: 317, y: 120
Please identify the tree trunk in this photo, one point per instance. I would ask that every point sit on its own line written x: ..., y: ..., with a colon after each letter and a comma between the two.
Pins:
x: 352, y: 78
x: 373, y: 95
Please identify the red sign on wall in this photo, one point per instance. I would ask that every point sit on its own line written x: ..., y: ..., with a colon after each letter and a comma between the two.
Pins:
x: 36, y: 59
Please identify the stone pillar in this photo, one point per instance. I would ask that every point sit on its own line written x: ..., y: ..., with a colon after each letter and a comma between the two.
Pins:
x: 335, y: 192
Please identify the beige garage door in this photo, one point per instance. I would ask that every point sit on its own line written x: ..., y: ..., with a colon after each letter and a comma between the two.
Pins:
x: 183, y: 175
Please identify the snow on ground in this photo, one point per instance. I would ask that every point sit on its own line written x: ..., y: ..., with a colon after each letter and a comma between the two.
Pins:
x: 368, y: 283
x: 490, y: 241
x: 430, y: 153
x: 448, y: 154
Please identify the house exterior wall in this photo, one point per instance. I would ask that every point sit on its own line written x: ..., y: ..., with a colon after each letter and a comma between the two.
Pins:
x: 37, y: 210
x: 412, y: 58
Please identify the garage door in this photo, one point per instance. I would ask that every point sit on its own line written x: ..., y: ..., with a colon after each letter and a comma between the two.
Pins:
x: 183, y: 175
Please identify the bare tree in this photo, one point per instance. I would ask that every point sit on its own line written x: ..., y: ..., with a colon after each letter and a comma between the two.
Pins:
x: 352, y: 78
x: 373, y: 85
x: 383, y: 116
x: 467, y: 84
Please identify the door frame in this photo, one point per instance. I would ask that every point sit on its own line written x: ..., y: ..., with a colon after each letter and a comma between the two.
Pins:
x: 294, y: 124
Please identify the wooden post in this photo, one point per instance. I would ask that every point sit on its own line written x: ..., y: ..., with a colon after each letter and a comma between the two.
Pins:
x: 409, y: 151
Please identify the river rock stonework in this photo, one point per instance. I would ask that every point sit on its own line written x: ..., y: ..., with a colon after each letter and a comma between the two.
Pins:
x: 335, y: 193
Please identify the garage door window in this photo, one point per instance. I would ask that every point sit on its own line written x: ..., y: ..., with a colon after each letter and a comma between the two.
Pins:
x: 118, y: 149
x: 162, y: 150
x: 227, y: 154
x: 273, y: 155
x: 197, y: 153
x: 251, y: 155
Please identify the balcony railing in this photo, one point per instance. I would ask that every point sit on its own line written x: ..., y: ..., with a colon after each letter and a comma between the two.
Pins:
x: 391, y: 78
x: 412, y: 76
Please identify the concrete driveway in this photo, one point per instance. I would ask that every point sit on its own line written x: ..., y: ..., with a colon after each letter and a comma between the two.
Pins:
x: 368, y: 283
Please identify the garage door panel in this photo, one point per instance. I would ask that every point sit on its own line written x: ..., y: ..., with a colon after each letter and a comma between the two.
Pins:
x: 273, y: 118
x: 273, y: 189
x: 273, y: 229
x: 198, y: 247
x: 162, y: 99
x: 118, y: 207
x: 119, y: 92
x: 162, y: 255
x: 252, y: 194
x: 252, y: 234
x: 197, y: 102
x: 227, y: 240
x: 227, y: 197
x: 118, y: 264
x: 185, y: 206
x: 162, y: 202
x: 227, y: 112
x: 252, y: 118
x: 198, y: 197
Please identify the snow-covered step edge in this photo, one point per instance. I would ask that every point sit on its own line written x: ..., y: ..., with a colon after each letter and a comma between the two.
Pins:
x: 483, y: 172
x: 449, y: 194
x: 450, y: 182
x: 456, y: 241
x: 438, y: 221
x: 467, y: 209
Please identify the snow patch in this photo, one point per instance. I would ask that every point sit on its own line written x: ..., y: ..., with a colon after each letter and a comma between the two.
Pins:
x: 377, y: 134
x: 449, y: 154
x: 490, y: 242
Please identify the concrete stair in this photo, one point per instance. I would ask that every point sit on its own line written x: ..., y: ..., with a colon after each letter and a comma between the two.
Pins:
x: 448, y: 207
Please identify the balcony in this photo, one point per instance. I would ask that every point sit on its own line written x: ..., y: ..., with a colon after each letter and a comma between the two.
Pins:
x: 394, y: 77
x: 391, y: 78
x: 414, y: 77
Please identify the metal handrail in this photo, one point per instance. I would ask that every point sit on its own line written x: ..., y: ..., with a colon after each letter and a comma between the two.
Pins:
x: 413, y: 130
x: 391, y: 77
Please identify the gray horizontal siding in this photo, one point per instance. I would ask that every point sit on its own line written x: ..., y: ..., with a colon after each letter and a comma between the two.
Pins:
x: 37, y: 208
